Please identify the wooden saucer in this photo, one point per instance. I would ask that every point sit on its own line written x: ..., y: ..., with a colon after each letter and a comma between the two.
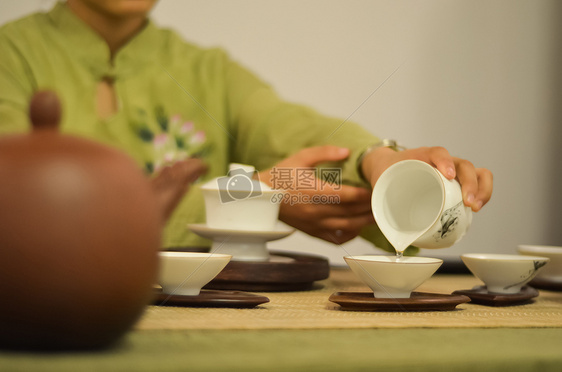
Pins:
x: 210, y: 298
x: 480, y: 295
x: 283, y: 272
x: 418, y: 301
x: 543, y: 283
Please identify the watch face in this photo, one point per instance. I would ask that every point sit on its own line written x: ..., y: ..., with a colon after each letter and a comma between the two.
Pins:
x: 388, y: 143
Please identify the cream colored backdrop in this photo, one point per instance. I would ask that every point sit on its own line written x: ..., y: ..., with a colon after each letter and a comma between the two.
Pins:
x: 478, y: 77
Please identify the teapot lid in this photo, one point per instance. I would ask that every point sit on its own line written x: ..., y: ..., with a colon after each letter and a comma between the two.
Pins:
x: 45, y: 110
x: 240, y: 178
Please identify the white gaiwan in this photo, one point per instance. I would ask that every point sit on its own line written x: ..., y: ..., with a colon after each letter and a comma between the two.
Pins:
x: 390, y: 277
x: 240, y: 202
x: 503, y: 273
x: 242, y: 215
x: 185, y: 273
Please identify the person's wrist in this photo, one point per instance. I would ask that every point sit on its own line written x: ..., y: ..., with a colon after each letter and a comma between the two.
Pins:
x: 374, y: 157
x: 376, y: 162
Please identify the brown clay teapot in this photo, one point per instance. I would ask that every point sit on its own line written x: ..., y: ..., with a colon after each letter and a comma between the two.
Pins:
x: 79, y: 233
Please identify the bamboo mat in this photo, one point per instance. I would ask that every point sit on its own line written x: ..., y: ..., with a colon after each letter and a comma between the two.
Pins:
x: 312, y: 310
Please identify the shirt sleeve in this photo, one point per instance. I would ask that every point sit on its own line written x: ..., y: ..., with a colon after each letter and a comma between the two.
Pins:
x: 269, y: 129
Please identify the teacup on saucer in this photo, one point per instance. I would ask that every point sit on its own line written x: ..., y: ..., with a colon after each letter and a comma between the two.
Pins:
x: 390, y: 277
x: 185, y: 273
x: 503, y: 273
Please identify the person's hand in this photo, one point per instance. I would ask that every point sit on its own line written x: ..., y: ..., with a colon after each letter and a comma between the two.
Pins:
x: 172, y: 182
x: 333, y: 212
x: 476, y: 183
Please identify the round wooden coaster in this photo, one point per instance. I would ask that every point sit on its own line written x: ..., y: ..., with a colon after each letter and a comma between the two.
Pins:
x: 480, y: 295
x: 418, y: 301
x: 283, y: 272
x: 210, y: 298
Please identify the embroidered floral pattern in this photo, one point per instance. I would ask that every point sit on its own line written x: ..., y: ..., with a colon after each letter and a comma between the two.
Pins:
x: 177, y: 139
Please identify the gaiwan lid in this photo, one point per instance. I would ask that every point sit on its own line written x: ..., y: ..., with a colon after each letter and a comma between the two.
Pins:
x: 239, y: 180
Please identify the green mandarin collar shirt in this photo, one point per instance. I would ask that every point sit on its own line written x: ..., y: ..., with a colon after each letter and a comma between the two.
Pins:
x: 175, y: 100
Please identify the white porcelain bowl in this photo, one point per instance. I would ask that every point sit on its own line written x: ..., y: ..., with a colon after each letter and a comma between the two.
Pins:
x: 185, y: 273
x: 503, y: 273
x: 239, y: 202
x: 256, y: 213
x: 552, y: 271
x: 392, y: 278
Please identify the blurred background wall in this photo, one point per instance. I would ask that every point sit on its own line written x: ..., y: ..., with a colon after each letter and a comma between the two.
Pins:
x: 481, y: 78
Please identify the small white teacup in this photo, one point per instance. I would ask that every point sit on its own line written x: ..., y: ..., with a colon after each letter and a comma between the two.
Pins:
x: 503, y: 273
x: 414, y: 204
x: 553, y: 271
x: 390, y: 277
x: 185, y: 273
x: 240, y: 202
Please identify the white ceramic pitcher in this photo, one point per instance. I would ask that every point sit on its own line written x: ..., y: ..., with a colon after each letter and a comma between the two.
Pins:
x: 414, y: 204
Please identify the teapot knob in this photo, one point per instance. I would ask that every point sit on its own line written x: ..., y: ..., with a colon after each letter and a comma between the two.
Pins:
x: 45, y: 110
